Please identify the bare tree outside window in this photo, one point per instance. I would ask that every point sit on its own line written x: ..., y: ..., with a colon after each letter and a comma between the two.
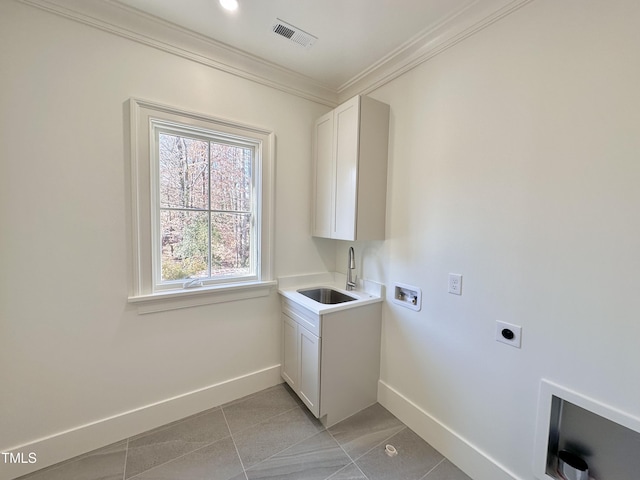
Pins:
x: 206, y: 208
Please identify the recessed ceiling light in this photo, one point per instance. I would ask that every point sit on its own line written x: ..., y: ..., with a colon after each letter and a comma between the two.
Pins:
x: 230, y: 5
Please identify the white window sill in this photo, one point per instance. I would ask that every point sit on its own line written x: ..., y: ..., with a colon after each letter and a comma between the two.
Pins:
x: 175, y: 299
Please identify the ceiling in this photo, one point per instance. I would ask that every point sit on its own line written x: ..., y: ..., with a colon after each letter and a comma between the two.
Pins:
x: 361, y: 44
x: 352, y: 34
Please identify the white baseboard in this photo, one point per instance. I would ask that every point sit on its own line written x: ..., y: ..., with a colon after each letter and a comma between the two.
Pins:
x: 465, y: 455
x: 85, y: 438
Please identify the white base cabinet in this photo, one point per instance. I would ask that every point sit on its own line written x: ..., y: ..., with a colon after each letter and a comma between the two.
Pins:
x: 332, y: 361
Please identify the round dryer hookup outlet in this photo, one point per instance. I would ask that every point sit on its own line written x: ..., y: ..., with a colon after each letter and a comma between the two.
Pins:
x: 509, y: 334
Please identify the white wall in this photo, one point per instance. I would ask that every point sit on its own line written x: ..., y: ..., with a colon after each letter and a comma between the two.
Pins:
x: 514, y: 161
x: 72, y: 351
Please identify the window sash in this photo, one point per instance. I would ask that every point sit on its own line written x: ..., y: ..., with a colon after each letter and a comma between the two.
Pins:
x: 158, y: 127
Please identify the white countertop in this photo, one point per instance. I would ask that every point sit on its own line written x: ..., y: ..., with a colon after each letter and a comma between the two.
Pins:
x: 367, y: 291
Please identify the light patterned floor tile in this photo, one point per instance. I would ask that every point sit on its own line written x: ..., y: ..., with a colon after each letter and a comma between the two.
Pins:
x: 266, y: 435
x: 259, y: 407
x: 315, y: 458
x: 163, y: 445
x: 414, y: 460
x: 446, y: 471
x: 218, y: 461
x: 103, y: 464
x: 350, y: 472
x: 261, y: 441
x: 361, y: 432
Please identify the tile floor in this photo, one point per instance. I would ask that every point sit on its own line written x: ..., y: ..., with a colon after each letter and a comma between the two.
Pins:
x: 267, y: 435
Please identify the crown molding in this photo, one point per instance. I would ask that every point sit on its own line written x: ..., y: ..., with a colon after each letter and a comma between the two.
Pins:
x: 460, y: 25
x: 119, y: 19
x: 124, y: 21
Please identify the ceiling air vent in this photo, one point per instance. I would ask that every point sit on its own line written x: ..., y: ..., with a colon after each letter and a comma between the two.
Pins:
x: 293, y: 34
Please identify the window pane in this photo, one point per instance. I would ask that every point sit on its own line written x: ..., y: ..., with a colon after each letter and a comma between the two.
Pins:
x: 231, y: 244
x: 185, y: 244
x: 184, y: 172
x: 231, y: 177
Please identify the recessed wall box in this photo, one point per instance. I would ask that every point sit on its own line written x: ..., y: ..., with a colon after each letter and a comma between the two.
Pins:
x: 407, y: 296
x: 605, y: 437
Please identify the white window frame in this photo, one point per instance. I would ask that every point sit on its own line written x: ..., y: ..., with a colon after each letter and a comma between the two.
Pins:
x: 151, y: 296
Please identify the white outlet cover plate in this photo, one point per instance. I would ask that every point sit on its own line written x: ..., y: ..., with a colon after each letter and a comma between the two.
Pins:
x: 516, y: 341
x: 455, y: 283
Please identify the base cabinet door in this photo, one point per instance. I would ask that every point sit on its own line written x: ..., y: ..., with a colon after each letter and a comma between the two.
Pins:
x: 309, y: 380
x: 290, y: 361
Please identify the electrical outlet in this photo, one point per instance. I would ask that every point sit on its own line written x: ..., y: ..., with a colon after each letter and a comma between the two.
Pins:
x: 455, y: 283
x: 509, y: 334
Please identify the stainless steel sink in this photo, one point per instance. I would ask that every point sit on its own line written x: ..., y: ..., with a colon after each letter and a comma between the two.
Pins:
x: 326, y: 295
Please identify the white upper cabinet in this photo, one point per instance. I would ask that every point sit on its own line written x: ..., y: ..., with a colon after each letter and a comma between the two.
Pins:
x: 350, y: 171
x: 324, y: 175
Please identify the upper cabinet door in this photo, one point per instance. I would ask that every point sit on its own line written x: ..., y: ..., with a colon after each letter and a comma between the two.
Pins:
x: 350, y: 171
x: 324, y: 174
x: 346, y: 136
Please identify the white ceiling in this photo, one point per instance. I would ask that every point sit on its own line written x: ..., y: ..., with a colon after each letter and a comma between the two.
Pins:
x: 353, y: 35
x: 362, y: 44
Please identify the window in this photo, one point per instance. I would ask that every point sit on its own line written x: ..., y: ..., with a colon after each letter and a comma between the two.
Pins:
x: 205, y: 207
x: 201, y: 207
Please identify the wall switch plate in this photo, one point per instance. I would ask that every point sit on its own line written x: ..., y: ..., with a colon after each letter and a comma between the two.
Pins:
x: 509, y: 334
x: 455, y: 283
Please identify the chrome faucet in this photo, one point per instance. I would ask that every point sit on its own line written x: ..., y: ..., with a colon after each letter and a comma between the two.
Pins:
x: 351, y: 266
